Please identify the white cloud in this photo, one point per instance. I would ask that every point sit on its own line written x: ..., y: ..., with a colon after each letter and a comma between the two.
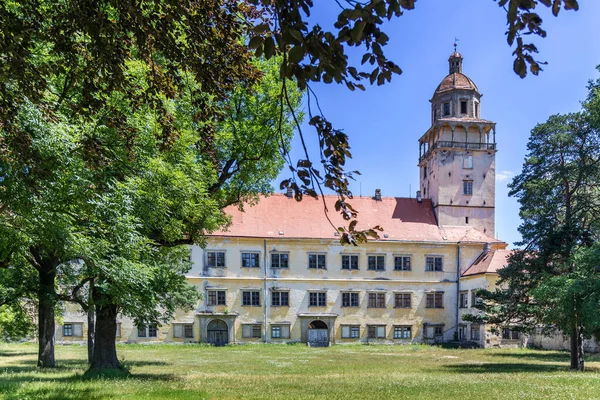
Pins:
x: 504, y: 175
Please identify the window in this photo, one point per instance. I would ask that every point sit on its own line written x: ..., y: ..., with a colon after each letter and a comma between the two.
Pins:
x: 216, y: 298
x: 509, y: 334
x: 376, y: 263
x: 438, y: 330
x: 402, y: 263
x: 316, y: 261
x: 68, y: 330
x: 474, y: 299
x: 376, y: 331
x: 431, y: 331
x: 317, y: 299
x: 468, y: 187
x: 350, y: 331
x: 350, y: 299
x: 435, y: 300
x: 280, y: 331
x: 280, y: 260
x: 215, y: 259
x: 376, y: 300
x: 475, y: 332
x: 250, y: 260
x: 425, y: 172
x: 402, y: 332
x: 476, y: 110
x: 252, y: 331
x: 403, y: 300
x: 467, y: 220
x: 468, y: 162
x: 280, y: 298
x: 463, y: 299
x: 434, y: 263
x: 251, y: 298
x: 183, y: 331
x: 148, y: 330
x: 349, y: 261
x: 446, y: 109
x: 463, y: 107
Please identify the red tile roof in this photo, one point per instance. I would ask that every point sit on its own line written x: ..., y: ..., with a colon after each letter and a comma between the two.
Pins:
x: 456, y: 81
x: 488, y: 263
x: 402, y: 219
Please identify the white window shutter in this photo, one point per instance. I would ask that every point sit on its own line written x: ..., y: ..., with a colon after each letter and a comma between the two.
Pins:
x: 285, y: 331
x: 177, y: 330
x: 78, y: 330
x: 381, y: 331
x: 345, y: 331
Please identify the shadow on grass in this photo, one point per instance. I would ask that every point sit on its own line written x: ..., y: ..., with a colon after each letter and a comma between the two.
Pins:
x: 4, y: 353
x: 485, y: 368
x: 544, y: 356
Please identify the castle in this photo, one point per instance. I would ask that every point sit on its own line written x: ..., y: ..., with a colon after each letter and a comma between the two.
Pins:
x: 280, y: 274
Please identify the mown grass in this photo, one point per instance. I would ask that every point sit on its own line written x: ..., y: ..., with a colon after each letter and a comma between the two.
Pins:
x: 278, y: 371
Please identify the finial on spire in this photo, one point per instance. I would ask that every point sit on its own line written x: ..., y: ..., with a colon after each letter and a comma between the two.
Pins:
x: 455, y: 60
x: 455, y: 43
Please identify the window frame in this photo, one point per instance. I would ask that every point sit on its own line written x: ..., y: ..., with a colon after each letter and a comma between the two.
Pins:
x: 434, y: 263
x: 216, y: 258
x: 467, y: 187
x: 351, y: 297
x: 463, y: 299
x: 250, y: 253
x: 279, y: 255
x: 467, y: 161
x: 219, y: 295
x: 434, y: 303
x: 402, y: 330
x: 70, y: 329
x: 319, y: 295
x: 402, y: 302
x: 279, y: 327
x: 376, y: 327
x: 352, y: 261
x: 403, y: 267
x: 446, y: 111
x: 464, y: 106
x: 277, y: 293
x: 475, y: 333
x: 376, y: 300
x: 253, y: 331
x: 376, y: 267
x: 353, y: 331
x: 251, y: 293
x: 317, y: 261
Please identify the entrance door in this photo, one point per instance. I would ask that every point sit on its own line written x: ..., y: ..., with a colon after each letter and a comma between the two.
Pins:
x: 217, y: 333
x: 318, y: 334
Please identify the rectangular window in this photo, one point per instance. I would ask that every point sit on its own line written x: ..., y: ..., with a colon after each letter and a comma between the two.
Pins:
x: 468, y: 187
x: 250, y: 260
x: 349, y: 262
x: 474, y: 299
x: 509, y: 334
x: 280, y: 260
x: 434, y: 264
x: 68, y: 330
x: 215, y: 259
x: 252, y: 331
x: 251, y: 298
x: 183, y: 331
x: 188, y: 331
x: 280, y: 298
x: 376, y: 263
x: 317, y: 299
x: 376, y: 300
x: 216, y: 298
x: 403, y: 300
x: 463, y: 107
x: 463, y: 300
x: 468, y: 162
x: 475, y: 332
x: 376, y: 331
x: 152, y: 330
x: 438, y: 331
x: 350, y: 331
x: 425, y: 172
x: 350, y: 299
x: 435, y: 300
x: 402, y: 263
x: 316, y: 261
x: 280, y: 331
x: 142, y: 331
x: 446, y: 109
x: 476, y: 110
x: 402, y: 332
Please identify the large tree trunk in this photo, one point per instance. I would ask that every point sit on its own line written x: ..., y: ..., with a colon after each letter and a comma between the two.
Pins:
x: 46, y: 324
x: 577, y: 360
x: 91, y: 319
x: 105, y: 348
x: 91, y: 334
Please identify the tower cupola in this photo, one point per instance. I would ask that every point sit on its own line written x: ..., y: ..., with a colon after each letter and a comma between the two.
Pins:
x: 455, y: 62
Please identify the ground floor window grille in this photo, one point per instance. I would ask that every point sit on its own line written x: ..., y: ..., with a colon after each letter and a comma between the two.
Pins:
x: 402, y: 332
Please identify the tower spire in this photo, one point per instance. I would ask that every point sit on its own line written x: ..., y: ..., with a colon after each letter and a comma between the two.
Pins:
x: 455, y: 60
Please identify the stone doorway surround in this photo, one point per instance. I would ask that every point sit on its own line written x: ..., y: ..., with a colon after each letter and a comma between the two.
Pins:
x: 205, y: 318
x: 307, y: 318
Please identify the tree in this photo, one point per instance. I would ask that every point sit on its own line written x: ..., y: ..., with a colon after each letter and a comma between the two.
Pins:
x: 550, y: 282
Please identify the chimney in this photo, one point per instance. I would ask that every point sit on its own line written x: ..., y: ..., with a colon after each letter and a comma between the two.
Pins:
x: 487, y: 248
x: 377, y: 196
x: 289, y: 192
x: 419, y: 198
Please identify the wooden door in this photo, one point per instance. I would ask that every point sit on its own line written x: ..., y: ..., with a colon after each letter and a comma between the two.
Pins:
x: 318, y: 337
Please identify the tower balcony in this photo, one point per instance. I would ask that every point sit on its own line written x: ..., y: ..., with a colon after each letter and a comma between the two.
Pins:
x: 457, y: 145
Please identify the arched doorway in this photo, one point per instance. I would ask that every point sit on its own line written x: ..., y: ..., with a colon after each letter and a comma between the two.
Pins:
x: 318, y: 334
x: 217, y: 332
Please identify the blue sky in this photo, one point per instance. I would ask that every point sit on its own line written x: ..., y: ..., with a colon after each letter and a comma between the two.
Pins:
x: 385, y: 122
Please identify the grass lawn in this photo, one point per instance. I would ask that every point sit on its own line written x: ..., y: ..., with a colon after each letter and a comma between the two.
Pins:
x: 278, y: 371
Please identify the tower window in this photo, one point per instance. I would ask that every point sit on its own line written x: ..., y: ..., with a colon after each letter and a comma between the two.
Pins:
x: 468, y: 162
x: 467, y: 187
x: 476, y: 110
x: 446, y: 109
x: 425, y: 172
x: 467, y: 220
x: 463, y: 107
